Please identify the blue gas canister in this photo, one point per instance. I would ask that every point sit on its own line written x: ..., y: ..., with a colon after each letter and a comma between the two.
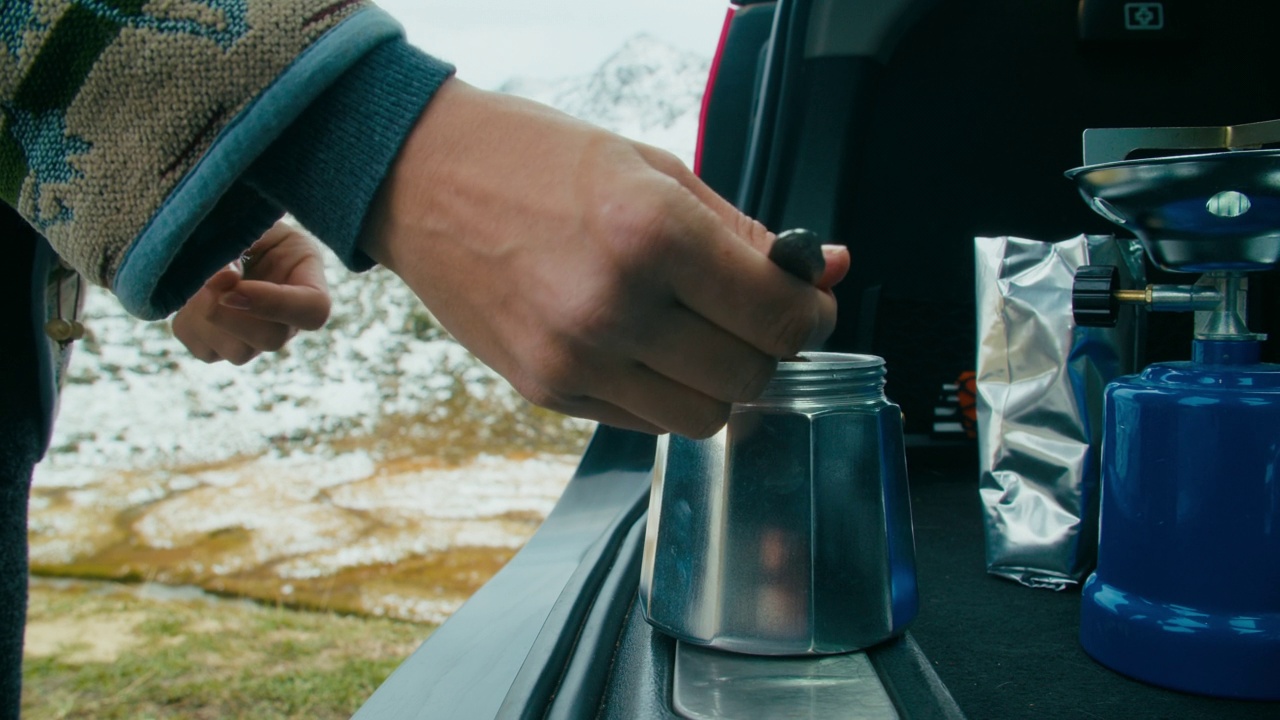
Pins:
x: 1187, y: 588
x: 1186, y: 593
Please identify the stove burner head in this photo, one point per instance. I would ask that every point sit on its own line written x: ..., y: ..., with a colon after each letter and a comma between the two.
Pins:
x: 1194, y: 213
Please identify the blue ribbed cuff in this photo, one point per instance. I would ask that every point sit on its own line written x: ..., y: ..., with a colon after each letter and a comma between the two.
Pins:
x: 327, y: 168
x: 211, y: 216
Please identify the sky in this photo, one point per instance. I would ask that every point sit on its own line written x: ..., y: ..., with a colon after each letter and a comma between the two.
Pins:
x: 491, y: 41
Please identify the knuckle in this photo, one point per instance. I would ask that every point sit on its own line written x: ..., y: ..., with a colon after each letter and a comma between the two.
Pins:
x: 275, y: 340
x: 754, y: 231
x: 536, y: 394
x: 558, y: 379
x: 593, y: 317
x: 790, y: 330
x: 665, y: 161
x: 754, y: 379
x: 318, y: 319
x: 550, y: 377
x: 632, y: 227
x: 542, y: 396
x: 181, y: 330
x: 707, y: 421
x: 241, y: 355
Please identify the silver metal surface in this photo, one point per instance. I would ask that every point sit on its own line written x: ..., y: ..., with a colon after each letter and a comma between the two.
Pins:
x: 715, y: 685
x: 789, y: 532
x: 1194, y: 213
x: 1108, y: 145
x: 1182, y: 298
x: 1219, y: 301
x: 1228, y: 319
x: 1040, y: 382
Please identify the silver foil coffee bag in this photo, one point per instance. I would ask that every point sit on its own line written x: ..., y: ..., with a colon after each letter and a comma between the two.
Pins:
x: 1039, y: 402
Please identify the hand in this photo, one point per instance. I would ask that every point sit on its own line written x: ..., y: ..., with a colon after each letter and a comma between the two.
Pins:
x: 257, y: 304
x: 598, y: 275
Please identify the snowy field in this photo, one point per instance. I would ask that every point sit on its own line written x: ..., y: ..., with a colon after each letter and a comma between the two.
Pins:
x: 373, y: 466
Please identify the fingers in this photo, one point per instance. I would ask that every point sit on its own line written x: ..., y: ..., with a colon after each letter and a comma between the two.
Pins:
x: 224, y: 279
x: 737, y: 288
x: 260, y: 335
x: 634, y: 379
x: 257, y: 304
x: 745, y: 228
x: 213, y: 332
x: 609, y: 414
x: 838, y: 264
x: 736, y: 313
x: 297, y: 306
x: 600, y: 277
x: 711, y: 361
x: 225, y: 347
x: 635, y: 397
x: 779, y: 316
x: 663, y: 402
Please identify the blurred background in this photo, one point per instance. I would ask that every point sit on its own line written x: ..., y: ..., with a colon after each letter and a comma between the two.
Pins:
x: 271, y: 540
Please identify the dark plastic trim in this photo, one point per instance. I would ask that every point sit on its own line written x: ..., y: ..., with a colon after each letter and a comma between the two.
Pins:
x: 784, y: 55
x: 582, y: 686
x: 508, y: 641
x: 733, y: 96
x: 916, y: 689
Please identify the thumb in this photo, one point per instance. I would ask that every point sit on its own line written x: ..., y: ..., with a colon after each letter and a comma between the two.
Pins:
x: 224, y: 279
x: 298, y: 306
x: 838, y: 263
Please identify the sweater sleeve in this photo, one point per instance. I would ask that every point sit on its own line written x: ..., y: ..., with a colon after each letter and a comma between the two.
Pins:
x: 127, y: 129
x: 328, y: 165
x: 324, y: 168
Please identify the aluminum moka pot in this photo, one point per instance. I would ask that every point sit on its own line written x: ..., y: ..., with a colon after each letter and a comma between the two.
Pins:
x: 789, y: 532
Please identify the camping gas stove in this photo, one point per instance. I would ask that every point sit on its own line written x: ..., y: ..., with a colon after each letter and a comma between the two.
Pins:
x: 1187, y: 588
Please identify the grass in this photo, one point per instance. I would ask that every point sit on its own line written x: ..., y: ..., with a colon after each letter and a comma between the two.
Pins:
x: 142, y: 658
x: 120, y: 555
x: 463, y: 425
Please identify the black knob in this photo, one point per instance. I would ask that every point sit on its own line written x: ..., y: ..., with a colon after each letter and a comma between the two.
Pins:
x: 1093, y: 296
x: 799, y: 252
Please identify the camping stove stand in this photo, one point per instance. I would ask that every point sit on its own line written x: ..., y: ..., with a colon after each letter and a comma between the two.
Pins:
x: 1186, y: 593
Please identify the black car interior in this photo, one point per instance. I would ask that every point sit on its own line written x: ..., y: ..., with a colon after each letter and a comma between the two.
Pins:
x: 905, y: 129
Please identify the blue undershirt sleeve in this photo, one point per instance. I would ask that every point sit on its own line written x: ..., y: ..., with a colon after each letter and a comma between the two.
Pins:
x: 328, y: 166
x: 324, y: 166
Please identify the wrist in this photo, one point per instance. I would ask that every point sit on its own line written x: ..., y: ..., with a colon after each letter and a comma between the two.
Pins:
x: 327, y: 168
x: 474, y: 159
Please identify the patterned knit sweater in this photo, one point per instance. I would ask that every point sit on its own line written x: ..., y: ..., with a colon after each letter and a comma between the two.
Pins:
x: 124, y: 123
x: 147, y: 143
x: 150, y: 142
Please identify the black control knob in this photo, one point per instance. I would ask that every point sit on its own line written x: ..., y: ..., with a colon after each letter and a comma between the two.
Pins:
x: 1093, y: 296
x: 799, y: 252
